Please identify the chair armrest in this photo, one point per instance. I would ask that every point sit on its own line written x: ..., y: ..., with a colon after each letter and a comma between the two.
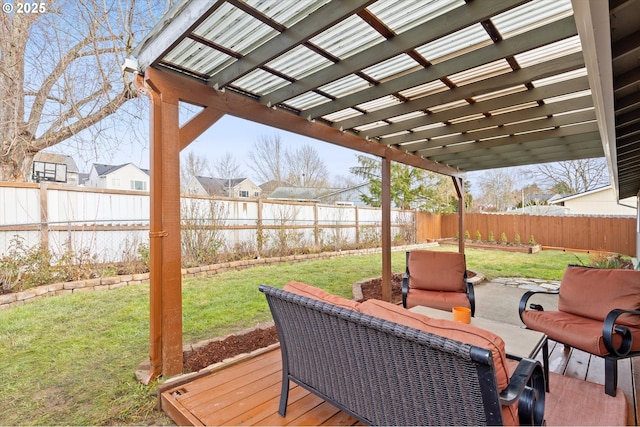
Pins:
x: 609, y: 329
x: 472, y: 297
x: 527, y: 386
x: 405, y: 288
x: 525, y: 298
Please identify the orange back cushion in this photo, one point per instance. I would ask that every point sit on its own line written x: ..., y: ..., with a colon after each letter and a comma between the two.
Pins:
x: 320, y: 294
x: 594, y: 292
x: 458, y: 331
x: 437, y: 271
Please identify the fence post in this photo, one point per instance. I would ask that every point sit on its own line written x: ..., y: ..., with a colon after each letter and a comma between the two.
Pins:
x: 259, y: 230
x: 357, y: 228
x: 316, y: 227
x: 44, y: 216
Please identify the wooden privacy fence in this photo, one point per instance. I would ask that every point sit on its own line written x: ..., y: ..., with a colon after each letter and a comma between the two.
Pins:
x: 589, y: 233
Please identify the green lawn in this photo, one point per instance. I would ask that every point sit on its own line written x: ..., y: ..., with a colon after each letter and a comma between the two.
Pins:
x: 71, y: 359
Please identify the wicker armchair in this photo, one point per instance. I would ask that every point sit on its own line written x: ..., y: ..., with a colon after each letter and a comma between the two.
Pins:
x: 386, y: 373
x: 598, y: 312
x: 437, y: 279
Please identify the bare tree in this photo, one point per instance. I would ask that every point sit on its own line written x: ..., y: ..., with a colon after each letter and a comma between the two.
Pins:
x: 267, y: 158
x: 573, y: 176
x: 498, y: 190
x: 305, y: 168
x: 60, y: 75
x: 226, y: 166
x: 192, y: 165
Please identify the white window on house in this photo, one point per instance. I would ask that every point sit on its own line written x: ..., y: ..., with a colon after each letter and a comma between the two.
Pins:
x: 139, y: 185
x: 256, y: 194
x: 243, y: 193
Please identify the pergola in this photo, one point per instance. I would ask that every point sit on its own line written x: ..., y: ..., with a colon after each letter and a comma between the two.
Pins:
x: 444, y: 85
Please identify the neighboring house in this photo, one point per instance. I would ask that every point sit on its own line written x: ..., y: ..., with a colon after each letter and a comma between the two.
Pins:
x: 121, y: 177
x: 541, y: 198
x: 269, y: 186
x: 234, y: 187
x: 340, y: 196
x: 351, y: 196
x: 601, y: 201
x: 54, y: 167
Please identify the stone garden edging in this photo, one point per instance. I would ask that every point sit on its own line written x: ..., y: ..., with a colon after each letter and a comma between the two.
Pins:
x: 14, y: 299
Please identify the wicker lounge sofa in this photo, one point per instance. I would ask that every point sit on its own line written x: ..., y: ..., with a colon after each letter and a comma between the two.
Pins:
x: 385, y: 365
x: 598, y: 312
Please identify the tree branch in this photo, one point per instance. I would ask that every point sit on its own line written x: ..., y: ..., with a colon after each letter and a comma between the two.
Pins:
x: 43, y: 93
x: 53, y: 137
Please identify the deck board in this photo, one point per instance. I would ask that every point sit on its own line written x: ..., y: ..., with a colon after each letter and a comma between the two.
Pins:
x: 248, y: 393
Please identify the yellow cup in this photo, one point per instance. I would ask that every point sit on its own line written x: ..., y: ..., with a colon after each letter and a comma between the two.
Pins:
x: 461, y: 314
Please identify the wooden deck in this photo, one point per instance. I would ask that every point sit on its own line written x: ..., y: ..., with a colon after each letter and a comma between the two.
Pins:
x: 247, y: 392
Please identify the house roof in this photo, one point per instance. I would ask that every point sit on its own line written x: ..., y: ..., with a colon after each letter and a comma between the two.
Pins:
x: 103, y: 169
x: 301, y: 193
x: 61, y: 159
x: 218, y: 186
x: 445, y: 85
x: 578, y: 195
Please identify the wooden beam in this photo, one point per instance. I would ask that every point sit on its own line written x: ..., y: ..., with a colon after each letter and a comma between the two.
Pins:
x: 197, y: 125
x: 246, y: 108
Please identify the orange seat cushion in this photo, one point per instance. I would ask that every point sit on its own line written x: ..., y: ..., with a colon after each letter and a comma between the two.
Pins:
x: 594, y: 292
x: 576, y: 331
x: 436, y: 271
x: 436, y: 299
x: 453, y: 330
x: 321, y: 295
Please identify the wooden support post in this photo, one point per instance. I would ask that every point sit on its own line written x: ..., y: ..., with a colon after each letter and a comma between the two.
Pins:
x: 458, y: 183
x: 165, y: 242
x: 167, y: 140
x: 386, y: 229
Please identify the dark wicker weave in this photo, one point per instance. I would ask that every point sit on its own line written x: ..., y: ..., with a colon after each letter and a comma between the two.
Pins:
x: 384, y: 373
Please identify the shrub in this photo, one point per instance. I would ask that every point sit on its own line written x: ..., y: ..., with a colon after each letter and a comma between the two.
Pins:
x: 478, y: 235
x: 609, y: 261
x: 532, y: 241
x: 516, y: 239
x: 24, y: 267
x: 491, y: 237
x: 503, y: 237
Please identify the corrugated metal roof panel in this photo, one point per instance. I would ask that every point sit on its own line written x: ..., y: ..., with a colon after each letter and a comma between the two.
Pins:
x: 260, y: 82
x: 549, y: 52
x: 455, y: 44
x: 403, y: 15
x: 530, y: 15
x: 347, y: 38
x: 391, y: 67
x: 480, y: 73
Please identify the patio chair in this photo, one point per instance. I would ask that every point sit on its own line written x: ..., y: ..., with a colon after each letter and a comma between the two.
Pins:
x: 598, y: 312
x: 438, y: 280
